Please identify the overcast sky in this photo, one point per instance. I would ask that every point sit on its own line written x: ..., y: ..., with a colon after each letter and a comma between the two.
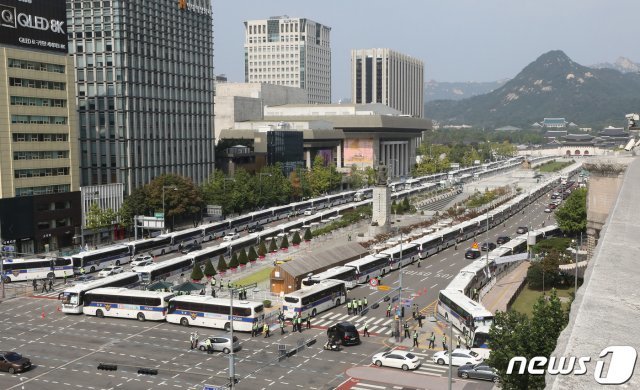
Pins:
x: 458, y: 40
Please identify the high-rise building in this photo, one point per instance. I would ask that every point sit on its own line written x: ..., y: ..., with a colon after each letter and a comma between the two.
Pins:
x: 294, y: 52
x: 388, y: 77
x: 39, y: 178
x: 144, y: 73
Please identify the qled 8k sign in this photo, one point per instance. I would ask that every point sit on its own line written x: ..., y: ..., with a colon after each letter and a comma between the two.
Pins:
x: 35, y: 24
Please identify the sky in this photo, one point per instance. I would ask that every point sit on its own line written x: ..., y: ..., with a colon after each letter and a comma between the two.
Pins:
x: 458, y: 40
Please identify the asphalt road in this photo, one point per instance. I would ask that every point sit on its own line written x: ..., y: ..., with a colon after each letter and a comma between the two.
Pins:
x: 66, y: 349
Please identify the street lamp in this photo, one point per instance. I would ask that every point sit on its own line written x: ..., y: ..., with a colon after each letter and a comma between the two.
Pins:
x: 163, y: 212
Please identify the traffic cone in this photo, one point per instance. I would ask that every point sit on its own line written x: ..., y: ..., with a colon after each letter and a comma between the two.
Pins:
x: 43, y: 315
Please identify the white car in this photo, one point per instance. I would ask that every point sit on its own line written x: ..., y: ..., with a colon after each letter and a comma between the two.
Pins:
x: 141, y: 261
x: 110, y: 271
x: 231, y: 236
x: 460, y: 357
x: 397, y: 359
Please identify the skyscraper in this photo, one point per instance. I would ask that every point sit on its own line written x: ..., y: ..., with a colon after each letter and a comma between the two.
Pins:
x: 295, y: 52
x: 39, y: 179
x: 144, y: 73
x: 388, y: 77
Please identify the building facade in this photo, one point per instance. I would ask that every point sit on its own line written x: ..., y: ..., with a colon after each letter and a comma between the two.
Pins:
x: 145, y: 85
x: 39, y: 178
x: 294, y: 52
x: 388, y: 77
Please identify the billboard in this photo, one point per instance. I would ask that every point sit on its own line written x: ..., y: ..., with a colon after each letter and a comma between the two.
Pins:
x: 358, y: 151
x: 34, y: 24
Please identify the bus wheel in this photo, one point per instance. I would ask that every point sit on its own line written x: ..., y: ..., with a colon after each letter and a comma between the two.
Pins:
x: 99, y: 313
x: 446, y: 316
x: 140, y: 317
x: 227, y: 327
x: 367, y: 281
x: 313, y: 313
x: 117, y: 262
x: 6, y: 279
x: 93, y: 269
x: 337, y: 302
x: 51, y: 275
x: 162, y: 253
x: 184, y: 321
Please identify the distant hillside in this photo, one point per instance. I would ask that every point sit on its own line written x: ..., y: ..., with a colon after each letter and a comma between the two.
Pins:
x: 436, y: 90
x: 622, y: 64
x: 551, y: 86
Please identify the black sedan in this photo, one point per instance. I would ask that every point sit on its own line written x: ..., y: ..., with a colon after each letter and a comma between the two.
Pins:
x: 255, y: 228
x: 502, y: 240
x: 472, y: 254
x: 194, y: 246
x: 488, y: 246
x: 478, y: 371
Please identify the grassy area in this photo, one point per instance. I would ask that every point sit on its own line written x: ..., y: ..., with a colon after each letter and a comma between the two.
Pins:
x: 256, y: 277
x: 553, y: 166
x: 525, y: 301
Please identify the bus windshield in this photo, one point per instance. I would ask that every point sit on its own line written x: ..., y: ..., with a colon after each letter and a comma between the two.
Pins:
x: 70, y: 298
x: 291, y: 299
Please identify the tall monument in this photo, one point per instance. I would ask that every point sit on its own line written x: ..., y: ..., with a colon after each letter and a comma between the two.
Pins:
x: 381, y: 220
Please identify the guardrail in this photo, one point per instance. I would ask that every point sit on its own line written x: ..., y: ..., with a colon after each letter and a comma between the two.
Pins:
x: 516, y: 293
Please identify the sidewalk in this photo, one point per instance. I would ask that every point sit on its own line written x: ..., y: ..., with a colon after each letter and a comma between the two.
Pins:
x: 499, y: 296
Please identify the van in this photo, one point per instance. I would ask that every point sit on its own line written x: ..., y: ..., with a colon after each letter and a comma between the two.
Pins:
x: 310, y: 211
x: 344, y: 333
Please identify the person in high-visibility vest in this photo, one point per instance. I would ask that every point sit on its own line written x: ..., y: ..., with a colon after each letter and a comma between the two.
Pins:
x: 365, y: 302
x: 348, y: 307
x: 265, y: 329
x: 389, y: 310
x: 415, y: 338
x: 444, y: 342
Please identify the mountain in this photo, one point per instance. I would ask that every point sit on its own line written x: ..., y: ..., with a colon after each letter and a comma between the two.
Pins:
x: 551, y: 86
x: 438, y: 90
x: 622, y: 64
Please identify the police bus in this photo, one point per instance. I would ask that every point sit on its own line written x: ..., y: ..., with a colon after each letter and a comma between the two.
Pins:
x: 92, y: 261
x: 157, y: 246
x: 73, y: 296
x: 369, y: 267
x: 346, y: 274
x: 463, y: 312
x: 126, y: 303
x: 209, y: 312
x: 323, y: 296
x: 165, y: 269
x: 400, y: 255
x: 16, y: 270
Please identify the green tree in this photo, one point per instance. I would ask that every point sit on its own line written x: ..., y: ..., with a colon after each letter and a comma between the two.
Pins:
x: 296, y: 185
x: 370, y: 176
x: 222, y: 264
x: 209, y: 270
x: 98, y: 218
x: 135, y: 204
x: 272, y: 246
x: 262, y: 249
x: 182, y: 198
x: 253, y: 256
x: 242, y: 258
x: 319, y: 177
x: 296, y: 239
x: 307, y: 235
x: 233, y: 263
x: 406, y: 206
x: 356, y: 178
x: 548, y: 268
x: 214, y: 191
x: 285, y: 243
x: 572, y: 215
x: 196, y: 273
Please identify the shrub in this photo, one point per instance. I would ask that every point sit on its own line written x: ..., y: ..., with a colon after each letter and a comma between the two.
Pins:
x: 243, y: 259
x: 222, y: 265
x: 266, y: 303
x: 272, y: 246
x: 197, y: 274
x: 233, y: 263
x: 252, y: 254
x: 296, y: 239
x: 285, y: 243
x: 209, y: 270
x: 307, y: 235
x: 262, y: 249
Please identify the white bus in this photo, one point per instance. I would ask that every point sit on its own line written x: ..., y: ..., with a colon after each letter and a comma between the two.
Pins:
x: 98, y: 259
x: 165, y: 269
x: 73, y: 297
x: 184, y: 237
x: 480, y: 343
x: 126, y: 303
x: 321, y: 297
x: 209, y: 312
x: 369, y: 267
x: 401, y: 255
x: 16, y: 270
x: 157, y: 246
x: 463, y: 312
x: 346, y: 274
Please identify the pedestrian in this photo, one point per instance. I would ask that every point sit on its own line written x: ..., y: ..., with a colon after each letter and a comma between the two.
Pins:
x: 420, y: 320
x: 349, y: 307
x: 253, y: 329
x: 419, y: 260
x: 413, y: 313
x: 213, y: 293
x: 407, y: 333
x: 220, y: 285
x: 44, y: 286
x: 300, y: 323
x: 389, y: 310
x: 415, y: 338
x: 365, y: 331
x: 282, y: 327
x: 229, y: 284
x: 365, y: 302
x: 192, y: 339
x: 349, y: 237
x: 213, y: 282
x: 196, y: 336
x: 308, y: 321
x: 458, y: 342
x: 209, y: 346
x: 65, y: 279
x: 35, y: 285
x: 444, y: 342
x: 379, y: 280
x: 432, y: 341
x: 359, y: 305
x: 475, y: 294
x: 81, y: 271
x: 265, y: 329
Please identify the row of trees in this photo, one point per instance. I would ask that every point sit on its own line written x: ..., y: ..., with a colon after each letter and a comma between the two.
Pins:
x: 438, y: 157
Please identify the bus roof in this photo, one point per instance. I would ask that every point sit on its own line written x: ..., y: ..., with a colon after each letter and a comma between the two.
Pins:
x: 317, y: 287
x: 361, y: 261
x: 474, y: 308
x: 332, y: 272
x: 216, y: 301
x: 131, y: 292
x: 13, y: 261
x: 93, y: 284
x: 109, y: 248
x: 155, y: 266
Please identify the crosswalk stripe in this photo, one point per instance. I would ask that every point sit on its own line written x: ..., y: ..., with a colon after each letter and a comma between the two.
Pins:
x: 425, y: 373
x: 343, y: 317
x: 380, y: 319
x: 336, y: 316
x: 387, y: 321
x: 370, y: 385
x: 326, y: 315
x: 373, y: 329
x: 320, y: 323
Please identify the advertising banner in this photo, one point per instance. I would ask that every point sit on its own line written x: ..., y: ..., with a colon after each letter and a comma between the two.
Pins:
x: 358, y: 151
x: 36, y: 24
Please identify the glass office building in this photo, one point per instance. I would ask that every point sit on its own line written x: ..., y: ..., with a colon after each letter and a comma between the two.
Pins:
x: 144, y: 76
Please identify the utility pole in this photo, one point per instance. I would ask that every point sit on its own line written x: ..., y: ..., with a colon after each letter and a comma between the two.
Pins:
x: 232, y: 361
x: 450, y: 381
x: 400, y: 317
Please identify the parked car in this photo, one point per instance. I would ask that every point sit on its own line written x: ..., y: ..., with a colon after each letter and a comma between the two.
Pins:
x: 478, y: 371
x: 231, y: 236
x: 547, y: 210
x: 488, y: 246
x: 194, y: 246
x: 472, y: 254
x: 397, y: 359
x: 459, y: 357
x: 344, y: 333
x: 522, y: 230
x: 116, y: 269
x: 220, y: 343
x: 141, y: 261
x: 502, y: 240
x: 13, y: 362
x: 552, y: 206
x: 256, y: 228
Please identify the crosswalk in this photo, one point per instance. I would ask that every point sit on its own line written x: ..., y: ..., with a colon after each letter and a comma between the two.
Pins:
x: 379, y: 325
x: 48, y: 295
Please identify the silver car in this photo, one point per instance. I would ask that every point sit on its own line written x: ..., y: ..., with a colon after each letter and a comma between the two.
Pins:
x: 220, y: 343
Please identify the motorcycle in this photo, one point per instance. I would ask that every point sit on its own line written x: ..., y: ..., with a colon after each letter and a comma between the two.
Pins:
x: 331, y: 346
